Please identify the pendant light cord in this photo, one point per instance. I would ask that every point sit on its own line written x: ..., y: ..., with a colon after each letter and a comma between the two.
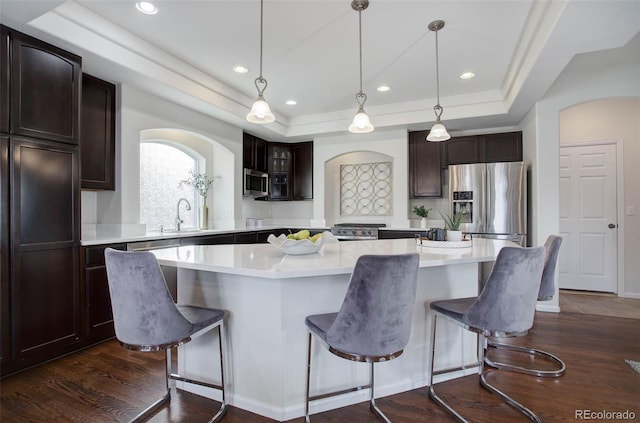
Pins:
x: 261, y: 19
x: 360, y: 38
x: 437, y: 72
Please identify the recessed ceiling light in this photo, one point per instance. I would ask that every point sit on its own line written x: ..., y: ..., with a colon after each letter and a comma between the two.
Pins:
x: 292, y: 102
x: 467, y: 75
x: 146, y: 7
x: 383, y: 88
x: 240, y: 69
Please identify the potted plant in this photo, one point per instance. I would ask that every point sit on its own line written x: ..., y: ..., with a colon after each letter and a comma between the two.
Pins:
x: 201, y: 184
x: 422, y: 212
x: 453, y: 223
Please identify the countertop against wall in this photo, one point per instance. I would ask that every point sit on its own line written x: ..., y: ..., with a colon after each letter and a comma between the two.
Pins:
x: 115, y: 234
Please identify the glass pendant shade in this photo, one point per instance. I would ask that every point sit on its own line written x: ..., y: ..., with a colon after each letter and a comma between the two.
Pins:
x: 438, y: 133
x: 361, y: 123
x: 260, y: 112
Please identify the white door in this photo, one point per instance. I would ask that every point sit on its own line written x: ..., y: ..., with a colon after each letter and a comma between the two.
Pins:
x: 588, y: 223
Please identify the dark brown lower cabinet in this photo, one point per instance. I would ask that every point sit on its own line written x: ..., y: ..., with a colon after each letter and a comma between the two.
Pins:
x: 397, y: 234
x: 98, y: 317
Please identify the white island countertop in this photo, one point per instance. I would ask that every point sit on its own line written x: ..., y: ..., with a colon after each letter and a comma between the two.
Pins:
x: 268, y: 261
x: 269, y: 294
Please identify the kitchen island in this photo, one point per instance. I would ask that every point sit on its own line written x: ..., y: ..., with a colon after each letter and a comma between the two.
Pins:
x: 269, y: 294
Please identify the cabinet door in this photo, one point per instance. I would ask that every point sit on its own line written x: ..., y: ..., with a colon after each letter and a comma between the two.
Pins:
x: 98, y: 316
x: 506, y: 147
x: 247, y: 151
x: 390, y: 234
x: 303, y: 171
x: 208, y: 240
x: 260, y: 154
x: 425, y: 170
x: 97, y: 133
x: 4, y: 79
x: 45, y: 229
x: 462, y: 150
x: 245, y: 238
x: 254, y: 153
x: 45, y: 90
x: 5, y: 315
x: 279, y: 171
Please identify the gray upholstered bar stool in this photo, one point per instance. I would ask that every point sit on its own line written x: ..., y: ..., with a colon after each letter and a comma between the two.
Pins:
x: 505, y: 306
x: 147, y: 319
x: 374, y: 322
x: 547, y: 290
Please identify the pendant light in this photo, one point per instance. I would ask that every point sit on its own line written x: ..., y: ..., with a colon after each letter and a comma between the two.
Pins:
x: 260, y: 111
x: 438, y: 131
x: 361, y: 123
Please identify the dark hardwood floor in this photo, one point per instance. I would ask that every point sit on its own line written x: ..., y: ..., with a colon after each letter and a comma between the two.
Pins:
x: 107, y: 383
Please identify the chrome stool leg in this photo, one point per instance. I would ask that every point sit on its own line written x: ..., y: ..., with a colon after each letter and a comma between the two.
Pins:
x: 372, y: 402
x: 483, y: 382
x: 223, y: 406
x: 508, y: 399
x: 525, y: 370
x: 306, y: 407
x: 432, y: 392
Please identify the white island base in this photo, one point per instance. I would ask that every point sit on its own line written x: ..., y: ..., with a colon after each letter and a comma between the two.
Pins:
x: 269, y: 295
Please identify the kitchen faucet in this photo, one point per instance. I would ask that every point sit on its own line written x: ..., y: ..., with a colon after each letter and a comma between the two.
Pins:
x: 178, y: 220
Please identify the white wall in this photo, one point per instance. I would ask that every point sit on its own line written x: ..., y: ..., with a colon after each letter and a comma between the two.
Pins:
x: 139, y: 111
x: 393, y: 145
x: 614, y: 119
x: 600, y: 75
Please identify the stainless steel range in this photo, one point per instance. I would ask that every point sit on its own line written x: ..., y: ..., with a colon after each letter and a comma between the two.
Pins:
x: 356, y: 231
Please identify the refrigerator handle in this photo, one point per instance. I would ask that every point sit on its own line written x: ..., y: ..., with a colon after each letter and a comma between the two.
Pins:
x: 485, y: 200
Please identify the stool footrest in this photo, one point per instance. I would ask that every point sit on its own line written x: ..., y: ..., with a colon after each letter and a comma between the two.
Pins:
x: 340, y: 392
x: 526, y: 370
x: 180, y: 378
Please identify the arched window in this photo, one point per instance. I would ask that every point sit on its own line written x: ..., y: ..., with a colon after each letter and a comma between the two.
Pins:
x: 163, y: 165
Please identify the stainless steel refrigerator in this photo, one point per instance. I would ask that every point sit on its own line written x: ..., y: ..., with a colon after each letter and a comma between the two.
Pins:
x: 493, y: 198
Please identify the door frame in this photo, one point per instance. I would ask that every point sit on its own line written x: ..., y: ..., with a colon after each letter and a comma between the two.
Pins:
x: 618, y: 143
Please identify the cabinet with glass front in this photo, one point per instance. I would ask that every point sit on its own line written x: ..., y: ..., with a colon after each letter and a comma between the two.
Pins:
x: 279, y: 171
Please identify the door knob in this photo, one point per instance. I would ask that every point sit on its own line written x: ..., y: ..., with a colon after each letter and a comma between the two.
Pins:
x: 612, y: 226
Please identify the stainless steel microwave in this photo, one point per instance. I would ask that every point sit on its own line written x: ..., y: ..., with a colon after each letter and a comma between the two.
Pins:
x: 256, y: 184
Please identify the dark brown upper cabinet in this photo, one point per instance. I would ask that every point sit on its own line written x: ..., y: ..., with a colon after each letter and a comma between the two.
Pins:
x: 425, y: 170
x: 280, y: 171
x: 302, y: 170
x: 44, y: 89
x: 506, y: 147
x: 461, y: 150
x: 488, y: 148
x: 4, y: 79
x: 254, y: 153
x: 97, y: 134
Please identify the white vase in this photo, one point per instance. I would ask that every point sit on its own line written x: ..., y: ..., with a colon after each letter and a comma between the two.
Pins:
x: 204, y: 217
x: 454, y: 235
x: 423, y: 223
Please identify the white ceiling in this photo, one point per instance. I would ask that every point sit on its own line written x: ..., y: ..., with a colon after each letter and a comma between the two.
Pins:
x: 186, y: 53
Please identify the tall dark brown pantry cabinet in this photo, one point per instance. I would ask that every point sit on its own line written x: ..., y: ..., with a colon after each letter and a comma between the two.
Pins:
x: 40, y: 196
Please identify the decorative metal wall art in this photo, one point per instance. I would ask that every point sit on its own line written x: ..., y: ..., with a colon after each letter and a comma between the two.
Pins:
x: 365, y: 189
